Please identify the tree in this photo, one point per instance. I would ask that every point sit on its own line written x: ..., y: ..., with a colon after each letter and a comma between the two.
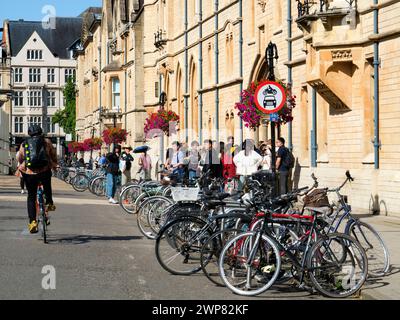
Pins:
x: 66, y: 118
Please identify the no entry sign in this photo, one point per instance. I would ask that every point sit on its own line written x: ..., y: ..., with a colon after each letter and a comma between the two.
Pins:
x: 270, y: 97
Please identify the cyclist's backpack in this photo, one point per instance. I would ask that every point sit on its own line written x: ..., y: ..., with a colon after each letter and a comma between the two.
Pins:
x: 35, y: 153
x: 289, y: 159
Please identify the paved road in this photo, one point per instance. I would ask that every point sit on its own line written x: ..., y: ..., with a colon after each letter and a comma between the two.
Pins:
x: 97, y: 251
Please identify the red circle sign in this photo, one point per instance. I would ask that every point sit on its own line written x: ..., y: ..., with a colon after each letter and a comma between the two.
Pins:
x: 270, y: 97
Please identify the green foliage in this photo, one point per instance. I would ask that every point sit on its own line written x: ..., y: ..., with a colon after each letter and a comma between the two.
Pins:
x: 66, y: 118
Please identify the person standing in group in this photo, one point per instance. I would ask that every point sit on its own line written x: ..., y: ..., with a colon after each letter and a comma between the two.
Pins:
x: 145, y: 166
x: 102, y: 160
x: 229, y: 169
x: 266, y: 153
x: 36, y: 158
x: 128, y: 159
x: 194, y: 159
x: 284, y: 162
x: 176, y: 163
x: 112, y: 173
x: 211, y: 160
x: 247, y: 162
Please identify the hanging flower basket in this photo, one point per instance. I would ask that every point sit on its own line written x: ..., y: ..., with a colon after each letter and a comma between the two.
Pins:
x: 76, y: 147
x: 114, y: 135
x: 251, y: 115
x: 92, y: 144
x: 159, y: 122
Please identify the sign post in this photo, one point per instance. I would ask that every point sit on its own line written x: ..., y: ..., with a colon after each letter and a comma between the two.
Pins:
x: 270, y: 98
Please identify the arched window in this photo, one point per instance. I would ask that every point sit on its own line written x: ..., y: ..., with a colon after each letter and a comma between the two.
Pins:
x: 229, y: 49
x: 194, y: 99
x: 179, y: 97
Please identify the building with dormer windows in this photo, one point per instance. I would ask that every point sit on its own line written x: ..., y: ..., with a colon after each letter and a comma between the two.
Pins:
x: 40, y: 63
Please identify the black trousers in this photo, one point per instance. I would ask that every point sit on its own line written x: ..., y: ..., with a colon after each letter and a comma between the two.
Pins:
x: 283, y: 182
x: 22, y: 183
x: 32, y: 182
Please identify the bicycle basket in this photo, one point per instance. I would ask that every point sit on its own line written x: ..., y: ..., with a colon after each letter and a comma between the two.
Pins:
x: 185, y: 194
x: 317, y: 198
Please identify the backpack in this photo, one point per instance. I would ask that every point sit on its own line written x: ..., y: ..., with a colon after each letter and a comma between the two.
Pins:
x: 35, y: 153
x: 289, y: 159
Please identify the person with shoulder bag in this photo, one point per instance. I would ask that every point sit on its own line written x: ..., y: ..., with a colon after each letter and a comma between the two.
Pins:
x: 284, y: 163
x: 37, y: 157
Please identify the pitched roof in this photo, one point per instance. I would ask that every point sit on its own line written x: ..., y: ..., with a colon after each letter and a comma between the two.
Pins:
x: 57, y: 40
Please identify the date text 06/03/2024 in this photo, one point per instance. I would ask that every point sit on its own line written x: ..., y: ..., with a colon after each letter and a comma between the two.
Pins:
x: 202, y: 309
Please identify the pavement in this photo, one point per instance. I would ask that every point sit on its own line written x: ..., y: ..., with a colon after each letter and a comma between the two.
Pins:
x: 99, y: 253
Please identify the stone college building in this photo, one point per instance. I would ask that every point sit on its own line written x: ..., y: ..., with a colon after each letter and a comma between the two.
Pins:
x: 341, y: 58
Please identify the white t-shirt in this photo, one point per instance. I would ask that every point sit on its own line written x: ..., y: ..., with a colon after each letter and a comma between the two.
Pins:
x: 247, y: 165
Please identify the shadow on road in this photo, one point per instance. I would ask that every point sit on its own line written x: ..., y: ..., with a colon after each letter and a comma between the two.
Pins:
x: 82, y: 239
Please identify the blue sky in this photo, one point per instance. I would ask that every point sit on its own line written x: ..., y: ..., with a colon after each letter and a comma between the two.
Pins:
x: 32, y: 9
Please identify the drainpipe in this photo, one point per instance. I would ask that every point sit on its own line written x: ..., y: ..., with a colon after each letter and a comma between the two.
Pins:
x: 290, y: 80
x: 376, y: 88
x: 314, y: 129
x: 100, y: 86
x: 200, y: 71
x: 186, y: 74
x: 162, y: 136
x: 216, y: 72
x: 126, y: 83
x: 241, y: 61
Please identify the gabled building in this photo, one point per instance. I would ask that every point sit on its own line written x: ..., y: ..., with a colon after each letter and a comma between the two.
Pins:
x: 41, y: 62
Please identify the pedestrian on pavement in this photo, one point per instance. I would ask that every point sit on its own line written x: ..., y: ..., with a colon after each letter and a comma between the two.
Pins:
x: 145, y: 166
x: 194, y: 160
x: 283, y: 165
x: 266, y: 153
x: 36, y: 168
x: 113, y: 172
x: 127, y: 157
x: 102, y: 160
x: 247, y: 162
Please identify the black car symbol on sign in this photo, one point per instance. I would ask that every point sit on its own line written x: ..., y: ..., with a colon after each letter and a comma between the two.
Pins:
x: 269, y: 97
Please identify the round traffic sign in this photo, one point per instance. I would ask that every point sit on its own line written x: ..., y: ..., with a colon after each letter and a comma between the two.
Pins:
x: 270, y: 97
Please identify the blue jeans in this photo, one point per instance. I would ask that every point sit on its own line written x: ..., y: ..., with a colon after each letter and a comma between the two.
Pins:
x: 111, y: 185
x: 192, y: 174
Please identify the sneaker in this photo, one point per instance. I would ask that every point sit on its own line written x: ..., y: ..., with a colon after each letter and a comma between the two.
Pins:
x: 112, y: 201
x: 33, y: 227
x: 51, y: 207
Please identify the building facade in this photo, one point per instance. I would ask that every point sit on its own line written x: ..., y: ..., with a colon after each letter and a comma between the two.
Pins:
x: 41, y: 62
x: 5, y: 97
x: 340, y: 57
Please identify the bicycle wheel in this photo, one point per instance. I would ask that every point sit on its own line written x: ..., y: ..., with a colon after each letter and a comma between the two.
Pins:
x: 44, y: 226
x: 211, y: 251
x: 99, y: 186
x: 128, y: 197
x: 249, y: 263
x: 143, y: 213
x: 80, y: 183
x: 179, y: 243
x: 337, y: 265
x: 156, y: 215
x: 374, y: 246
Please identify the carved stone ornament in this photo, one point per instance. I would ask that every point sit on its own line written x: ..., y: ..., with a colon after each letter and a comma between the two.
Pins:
x: 262, y: 4
x: 342, y: 55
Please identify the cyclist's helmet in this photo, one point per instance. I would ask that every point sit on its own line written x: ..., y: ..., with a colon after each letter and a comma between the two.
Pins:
x: 35, y: 130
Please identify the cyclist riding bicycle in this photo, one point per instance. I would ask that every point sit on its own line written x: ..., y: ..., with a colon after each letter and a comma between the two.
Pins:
x: 37, y: 157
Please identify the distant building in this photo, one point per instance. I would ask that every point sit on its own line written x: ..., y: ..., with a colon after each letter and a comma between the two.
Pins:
x: 41, y: 63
